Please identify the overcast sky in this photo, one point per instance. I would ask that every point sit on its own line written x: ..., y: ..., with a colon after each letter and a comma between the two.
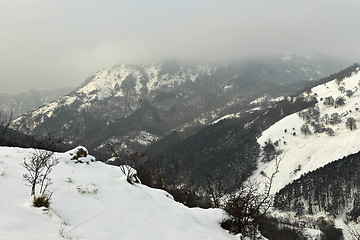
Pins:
x: 54, y: 43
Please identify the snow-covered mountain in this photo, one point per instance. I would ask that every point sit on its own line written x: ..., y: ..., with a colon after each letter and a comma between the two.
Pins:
x: 95, y: 201
x: 131, y: 106
x: 303, y: 133
x: 313, y: 158
x: 329, y: 138
x: 23, y: 102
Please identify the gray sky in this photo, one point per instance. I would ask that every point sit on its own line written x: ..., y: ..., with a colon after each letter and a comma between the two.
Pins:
x: 54, y: 43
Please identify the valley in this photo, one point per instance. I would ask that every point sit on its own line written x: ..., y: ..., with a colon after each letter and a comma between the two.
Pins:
x: 204, y: 146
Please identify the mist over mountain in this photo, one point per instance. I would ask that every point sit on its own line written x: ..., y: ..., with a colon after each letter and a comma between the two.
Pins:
x: 131, y: 106
x: 21, y: 103
x: 232, y: 122
x: 191, y: 120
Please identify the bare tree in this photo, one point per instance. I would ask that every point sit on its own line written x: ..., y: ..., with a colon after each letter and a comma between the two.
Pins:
x: 39, y: 166
x: 325, y: 118
x: 329, y: 101
x: 351, y: 123
x: 128, y: 163
x: 270, y: 151
x: 349, y: 93
x: 248, y: 207
x: 334, y: 118
x: 216, y: 190
x: 48, y: 142
x: 305, y: 129
x: 330, y: 132
x: 340, y: 101
x: 338, y: 80
x: 354, y: 232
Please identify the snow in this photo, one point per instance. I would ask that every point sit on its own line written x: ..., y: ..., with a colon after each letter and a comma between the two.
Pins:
x: 144, y: 138
x: 266, y: 98
x: 152, y: 72
x: 94, y: 201
x: 107, y: 83
x: 302, y: 154
x: 260, y: 99
x: 228, y: 116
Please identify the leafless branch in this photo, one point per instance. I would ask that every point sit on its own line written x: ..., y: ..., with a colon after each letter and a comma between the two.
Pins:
x: 38, y: 167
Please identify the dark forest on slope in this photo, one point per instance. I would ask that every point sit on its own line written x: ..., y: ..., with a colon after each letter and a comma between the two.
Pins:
x: 332, y: 189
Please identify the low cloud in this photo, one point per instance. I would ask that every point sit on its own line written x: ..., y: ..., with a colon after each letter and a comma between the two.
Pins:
x: 59, y: 43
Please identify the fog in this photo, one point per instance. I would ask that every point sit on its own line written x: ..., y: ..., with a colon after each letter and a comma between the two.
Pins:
x: 56, y: 43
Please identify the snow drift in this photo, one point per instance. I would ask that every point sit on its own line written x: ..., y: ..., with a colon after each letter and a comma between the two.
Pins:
x: 94, y: 201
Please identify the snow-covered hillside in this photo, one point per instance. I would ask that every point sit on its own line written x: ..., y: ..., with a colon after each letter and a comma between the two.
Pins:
x: 328, y: 139
x: 23, y: 102
x: 121, y: 101
x: 142, y: 78
x: 94, y: 201
x: 124, y: 79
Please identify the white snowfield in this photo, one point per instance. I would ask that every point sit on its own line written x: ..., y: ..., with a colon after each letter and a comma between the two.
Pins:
x: 304, y: 153
x: 94, y: 201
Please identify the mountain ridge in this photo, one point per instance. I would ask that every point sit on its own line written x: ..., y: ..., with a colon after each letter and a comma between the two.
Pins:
x: 152, y: 100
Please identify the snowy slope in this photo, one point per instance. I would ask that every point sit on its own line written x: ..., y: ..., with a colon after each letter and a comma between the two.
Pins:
x: 121, y: 80
x: 304, y: 153
x: 111, y: 208
x: 23, y: 102
x: 120, y: 103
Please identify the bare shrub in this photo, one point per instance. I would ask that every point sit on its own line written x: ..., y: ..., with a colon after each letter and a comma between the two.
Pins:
x: 334, y: 118
x: 216, y: 190
x: 351, y: 123
x: 248, y: 207
x: 340, y: 101
x: 48, y: 142
x: 137, y: 164
x: 39, y: 167
x: 305, y: 129
x: 270, y: 151
x: 349, y: 93
x: 354, y: 232
x: 42, y: 200
x: 329, y: 101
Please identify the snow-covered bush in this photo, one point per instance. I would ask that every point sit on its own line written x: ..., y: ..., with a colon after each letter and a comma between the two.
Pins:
x: 130, y: 173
